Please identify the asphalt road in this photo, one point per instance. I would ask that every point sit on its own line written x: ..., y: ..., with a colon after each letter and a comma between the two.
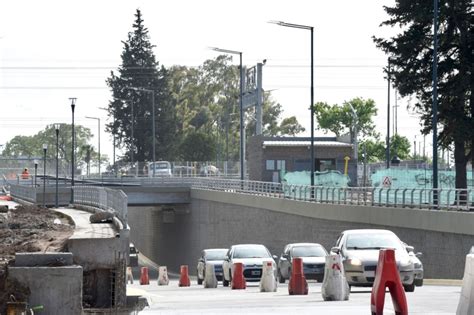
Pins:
x: 171, y: 299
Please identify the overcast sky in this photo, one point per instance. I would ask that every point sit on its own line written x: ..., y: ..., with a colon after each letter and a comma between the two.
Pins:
x: 53, y: 50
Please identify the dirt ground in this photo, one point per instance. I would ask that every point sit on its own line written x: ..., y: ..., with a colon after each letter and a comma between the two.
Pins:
x: 28, y: 229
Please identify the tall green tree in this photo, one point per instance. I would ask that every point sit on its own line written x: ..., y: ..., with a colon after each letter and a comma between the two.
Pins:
x: 32, y: 146
x: 340, y: 119
x: 411, y: 58
x: 139, y: 76
x: 399, y: 146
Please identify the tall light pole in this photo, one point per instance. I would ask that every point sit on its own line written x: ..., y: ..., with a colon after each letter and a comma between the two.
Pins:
x: 56, y: 127
x: 242, y: 140
x: 387, y: 150
x: 98, y: 128
x: 152, y: 92
x: 435, y: 102
x: 311, y: 29
x: 45, y: 148
x: 36, y: 171
x: 73, y: 105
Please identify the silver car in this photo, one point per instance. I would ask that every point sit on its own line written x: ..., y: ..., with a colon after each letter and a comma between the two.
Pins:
x: 213, y: 256
x: 252, y: 257
x: 313, y: 256
x: 360, y: 253
x: 417, y: 264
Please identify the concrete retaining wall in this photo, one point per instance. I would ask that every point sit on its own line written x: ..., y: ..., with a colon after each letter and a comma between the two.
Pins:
x: 58, y: 289
x: 219, y: 219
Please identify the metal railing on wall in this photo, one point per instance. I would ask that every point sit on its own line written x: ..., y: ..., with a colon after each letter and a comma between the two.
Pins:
x: 111, y: 200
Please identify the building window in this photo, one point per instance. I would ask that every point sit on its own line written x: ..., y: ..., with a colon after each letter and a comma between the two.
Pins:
x: 270, y: 165
x: 280, y: 165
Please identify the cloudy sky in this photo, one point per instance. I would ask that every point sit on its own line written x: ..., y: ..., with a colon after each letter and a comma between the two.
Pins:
x: 53, y: 50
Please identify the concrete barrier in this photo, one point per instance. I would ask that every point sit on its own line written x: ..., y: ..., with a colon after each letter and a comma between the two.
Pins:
x: 210, y: 280
x: 334, y: 287
x: 163, y: 276
x: 466, y: 301
x: 268, y: 281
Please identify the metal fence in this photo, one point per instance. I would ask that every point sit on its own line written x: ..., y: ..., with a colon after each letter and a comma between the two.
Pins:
x: 110, y: 200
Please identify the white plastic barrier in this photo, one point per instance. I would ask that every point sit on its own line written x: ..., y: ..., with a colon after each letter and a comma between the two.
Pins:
x: 268, y: 281
x: 210, y: 280
x: 466, y: 302
x: 163, y: 276
x: 334, y: 287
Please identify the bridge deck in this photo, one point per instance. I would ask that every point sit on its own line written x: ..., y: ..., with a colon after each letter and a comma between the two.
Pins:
x: 86, y: 230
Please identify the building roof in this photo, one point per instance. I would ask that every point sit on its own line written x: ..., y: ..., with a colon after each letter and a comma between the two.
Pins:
x: 279, y: 143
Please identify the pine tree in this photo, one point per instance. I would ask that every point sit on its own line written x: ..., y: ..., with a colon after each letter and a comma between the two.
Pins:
x: 138, y: 77
x: 411, y: 57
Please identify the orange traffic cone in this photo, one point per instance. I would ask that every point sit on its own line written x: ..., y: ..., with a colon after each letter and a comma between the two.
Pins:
x: 387, y: 276
x: 184, y: 277
x: 144, y: 276
x: 238, y: 280
x: 297, y: 284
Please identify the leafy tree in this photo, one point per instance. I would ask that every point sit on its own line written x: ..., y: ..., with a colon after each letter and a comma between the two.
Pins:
x: 375, y: 148
x: 340, y: 119
x: 32, y: 146
x: 411, y: 58
x: 198, y: 146
x: 139, y: 76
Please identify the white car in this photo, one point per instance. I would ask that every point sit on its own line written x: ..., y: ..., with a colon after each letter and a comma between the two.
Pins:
x: 359, y: 250
x: 252, y: 257
x: 213, y: 256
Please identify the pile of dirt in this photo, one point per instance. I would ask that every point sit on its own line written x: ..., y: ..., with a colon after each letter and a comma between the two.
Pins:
x: 28, y: 229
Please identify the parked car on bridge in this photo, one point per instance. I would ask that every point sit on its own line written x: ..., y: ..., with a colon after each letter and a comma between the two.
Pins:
x: 213, y: 256
x: 417, y: 264
x: 313, y: 256
x: 252, y: 257
x: 360, y: 253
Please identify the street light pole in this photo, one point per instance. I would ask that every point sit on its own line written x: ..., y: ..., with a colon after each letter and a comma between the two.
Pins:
x: 45, y: 148
x: 435, y: 102
x: 73, y: 105
x: 98, y: 127
x: 311, y: 29
x: 36, y: 171
x: 56, y: 127
x: 242, y: 140
x: 387, y: 150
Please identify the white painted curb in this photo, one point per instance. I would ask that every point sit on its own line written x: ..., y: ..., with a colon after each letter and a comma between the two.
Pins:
x: 210, y: 280
x: 163, y: 276
x: 334, y: 287
x: 268, y: 281
x: 466, y: 301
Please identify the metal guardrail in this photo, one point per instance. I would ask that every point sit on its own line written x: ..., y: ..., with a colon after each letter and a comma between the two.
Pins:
x: 110, y: 200
x: 27, y: 193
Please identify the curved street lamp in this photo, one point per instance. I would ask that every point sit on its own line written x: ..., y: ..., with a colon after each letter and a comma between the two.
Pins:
x: 73, y: 105
x: 56, y: 127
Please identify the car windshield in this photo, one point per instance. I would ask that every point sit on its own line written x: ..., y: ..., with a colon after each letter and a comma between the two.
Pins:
x: 251, y: 252
x: 308, y: 251
x: 161, y: 166
x: 216, y: 254
x: 372, y: 241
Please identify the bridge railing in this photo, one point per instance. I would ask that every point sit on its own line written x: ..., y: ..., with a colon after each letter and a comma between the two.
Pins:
x: 27, y: 193
x: 110, y: 200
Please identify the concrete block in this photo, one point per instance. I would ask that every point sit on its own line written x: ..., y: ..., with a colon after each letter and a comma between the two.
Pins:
x: 58, y: 289
x: 43, y: 259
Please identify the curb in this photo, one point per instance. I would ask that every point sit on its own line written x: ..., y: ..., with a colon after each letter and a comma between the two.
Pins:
x: 447, y: 282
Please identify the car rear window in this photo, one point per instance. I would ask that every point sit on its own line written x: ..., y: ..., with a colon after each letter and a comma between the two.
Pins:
x: 216, y: 255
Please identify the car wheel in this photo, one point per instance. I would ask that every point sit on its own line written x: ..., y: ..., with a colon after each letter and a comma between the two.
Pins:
x: 409, y: 287
x: 225, y: 283
x: 419, y: 282
x: 280, y: 277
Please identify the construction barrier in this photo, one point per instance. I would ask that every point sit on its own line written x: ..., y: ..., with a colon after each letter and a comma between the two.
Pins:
x: 129, y: 275
x: 466, y: 301
x: 297, y: 284
x: 268, y: 281
x: 335, y: 286
x: 163, y: 276
x: 210, y: 280
x: 238, y: 280
x: 6, y: 198
x: 184, y: 280
x: 387, y: 276
x: 144, y: 279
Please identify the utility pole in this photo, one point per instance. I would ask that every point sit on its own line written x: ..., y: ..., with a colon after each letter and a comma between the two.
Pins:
x: 387, y: 150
